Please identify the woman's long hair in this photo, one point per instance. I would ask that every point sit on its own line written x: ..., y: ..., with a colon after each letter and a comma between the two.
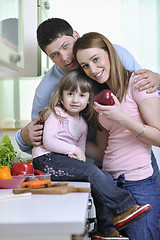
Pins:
x: 70, y: 81
x: 119, y: 76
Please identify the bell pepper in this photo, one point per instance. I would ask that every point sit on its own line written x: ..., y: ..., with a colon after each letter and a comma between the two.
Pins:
x: 38, y: 172
x: 104, y: 98
x: 21, y: 168
x: 5, y: 172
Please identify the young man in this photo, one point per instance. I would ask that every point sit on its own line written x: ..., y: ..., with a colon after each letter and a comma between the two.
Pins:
x: 56, y: 38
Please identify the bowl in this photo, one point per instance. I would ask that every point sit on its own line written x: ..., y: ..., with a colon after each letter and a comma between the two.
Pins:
x: 31, y: 177
x: 12, y: 183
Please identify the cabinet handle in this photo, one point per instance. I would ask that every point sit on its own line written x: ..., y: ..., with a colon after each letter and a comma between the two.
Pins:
x: 14, y: 58
x: 46, y: 5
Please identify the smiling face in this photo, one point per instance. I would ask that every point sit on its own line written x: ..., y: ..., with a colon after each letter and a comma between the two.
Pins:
x: 60, y: 52
x: 95, y: 63
x: 75, y: 102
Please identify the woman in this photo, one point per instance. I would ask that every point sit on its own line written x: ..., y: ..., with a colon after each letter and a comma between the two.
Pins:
x: 63, y: 148
x: 132, y: 126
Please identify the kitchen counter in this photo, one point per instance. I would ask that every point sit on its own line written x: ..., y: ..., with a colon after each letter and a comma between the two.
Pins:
x: 39, y: 217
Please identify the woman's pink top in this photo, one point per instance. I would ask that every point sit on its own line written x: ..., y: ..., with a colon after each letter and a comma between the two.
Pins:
x: 126, y: 154
x: 62, y: 135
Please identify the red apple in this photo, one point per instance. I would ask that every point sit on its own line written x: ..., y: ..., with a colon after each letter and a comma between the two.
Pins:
x: 104, y: 98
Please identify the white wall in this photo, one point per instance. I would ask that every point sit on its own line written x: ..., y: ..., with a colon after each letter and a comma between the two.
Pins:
x: 156, y: 151
x: 131, y: 24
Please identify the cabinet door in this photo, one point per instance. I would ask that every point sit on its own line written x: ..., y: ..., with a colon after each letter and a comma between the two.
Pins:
x: 25, y: 60
x: 43, y: 14
x: 11, y: 34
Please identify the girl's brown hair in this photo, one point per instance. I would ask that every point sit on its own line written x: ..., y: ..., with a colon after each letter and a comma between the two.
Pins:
x: 119, y: 76
x: 70, y: 81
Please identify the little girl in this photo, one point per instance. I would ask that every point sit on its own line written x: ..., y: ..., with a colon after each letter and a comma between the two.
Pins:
x: 63, y: 154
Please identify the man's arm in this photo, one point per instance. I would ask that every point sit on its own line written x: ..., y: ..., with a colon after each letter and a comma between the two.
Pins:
x: 24, y: 147
x: 127, y: 58
x: 32, y: 133
x: 96, y: 148
x: 28, y: 136
x: 45, y: 88
x: 147, y: 80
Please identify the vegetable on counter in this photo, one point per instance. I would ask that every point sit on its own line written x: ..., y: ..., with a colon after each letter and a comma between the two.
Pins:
x: 21, y: 168
x: 38, y: 172
x: 5, y: 172
x: 7, y: 152
x: 16, y: 165
x: 35, y: 183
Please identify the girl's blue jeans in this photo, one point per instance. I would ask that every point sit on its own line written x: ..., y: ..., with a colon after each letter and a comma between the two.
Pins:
x: 109, y: 199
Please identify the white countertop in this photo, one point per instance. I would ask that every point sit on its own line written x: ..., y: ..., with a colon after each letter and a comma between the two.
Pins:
x: 42, y: 216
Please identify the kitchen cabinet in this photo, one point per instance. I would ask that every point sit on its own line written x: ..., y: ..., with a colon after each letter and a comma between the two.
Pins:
x: 23, y: 58
x: 43, y: 59
x: 18, y: 84
x: 11, y: 35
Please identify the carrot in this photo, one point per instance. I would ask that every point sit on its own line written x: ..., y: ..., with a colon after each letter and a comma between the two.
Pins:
x: 35, y: 183
x: 24, y: 184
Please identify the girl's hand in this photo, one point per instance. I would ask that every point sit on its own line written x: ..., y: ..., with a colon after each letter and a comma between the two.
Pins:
x: 79, y: 154
x: 71, y: 156
x: 114, y: 112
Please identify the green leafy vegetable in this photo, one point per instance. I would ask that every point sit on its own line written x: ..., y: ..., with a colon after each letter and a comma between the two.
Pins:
x: 7, y: 152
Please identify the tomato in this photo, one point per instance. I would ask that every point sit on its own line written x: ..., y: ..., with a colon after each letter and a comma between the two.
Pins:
x: 5, y: 172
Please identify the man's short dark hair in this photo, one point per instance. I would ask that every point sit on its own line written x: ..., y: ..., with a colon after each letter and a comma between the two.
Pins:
x: 51, y: 29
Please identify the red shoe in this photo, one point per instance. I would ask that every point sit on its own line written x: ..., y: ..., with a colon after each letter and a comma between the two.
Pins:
x: 109, y: 238
x: 138, y: 213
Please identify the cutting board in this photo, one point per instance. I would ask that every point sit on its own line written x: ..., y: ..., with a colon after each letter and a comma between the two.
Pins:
x: 51, y: 190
